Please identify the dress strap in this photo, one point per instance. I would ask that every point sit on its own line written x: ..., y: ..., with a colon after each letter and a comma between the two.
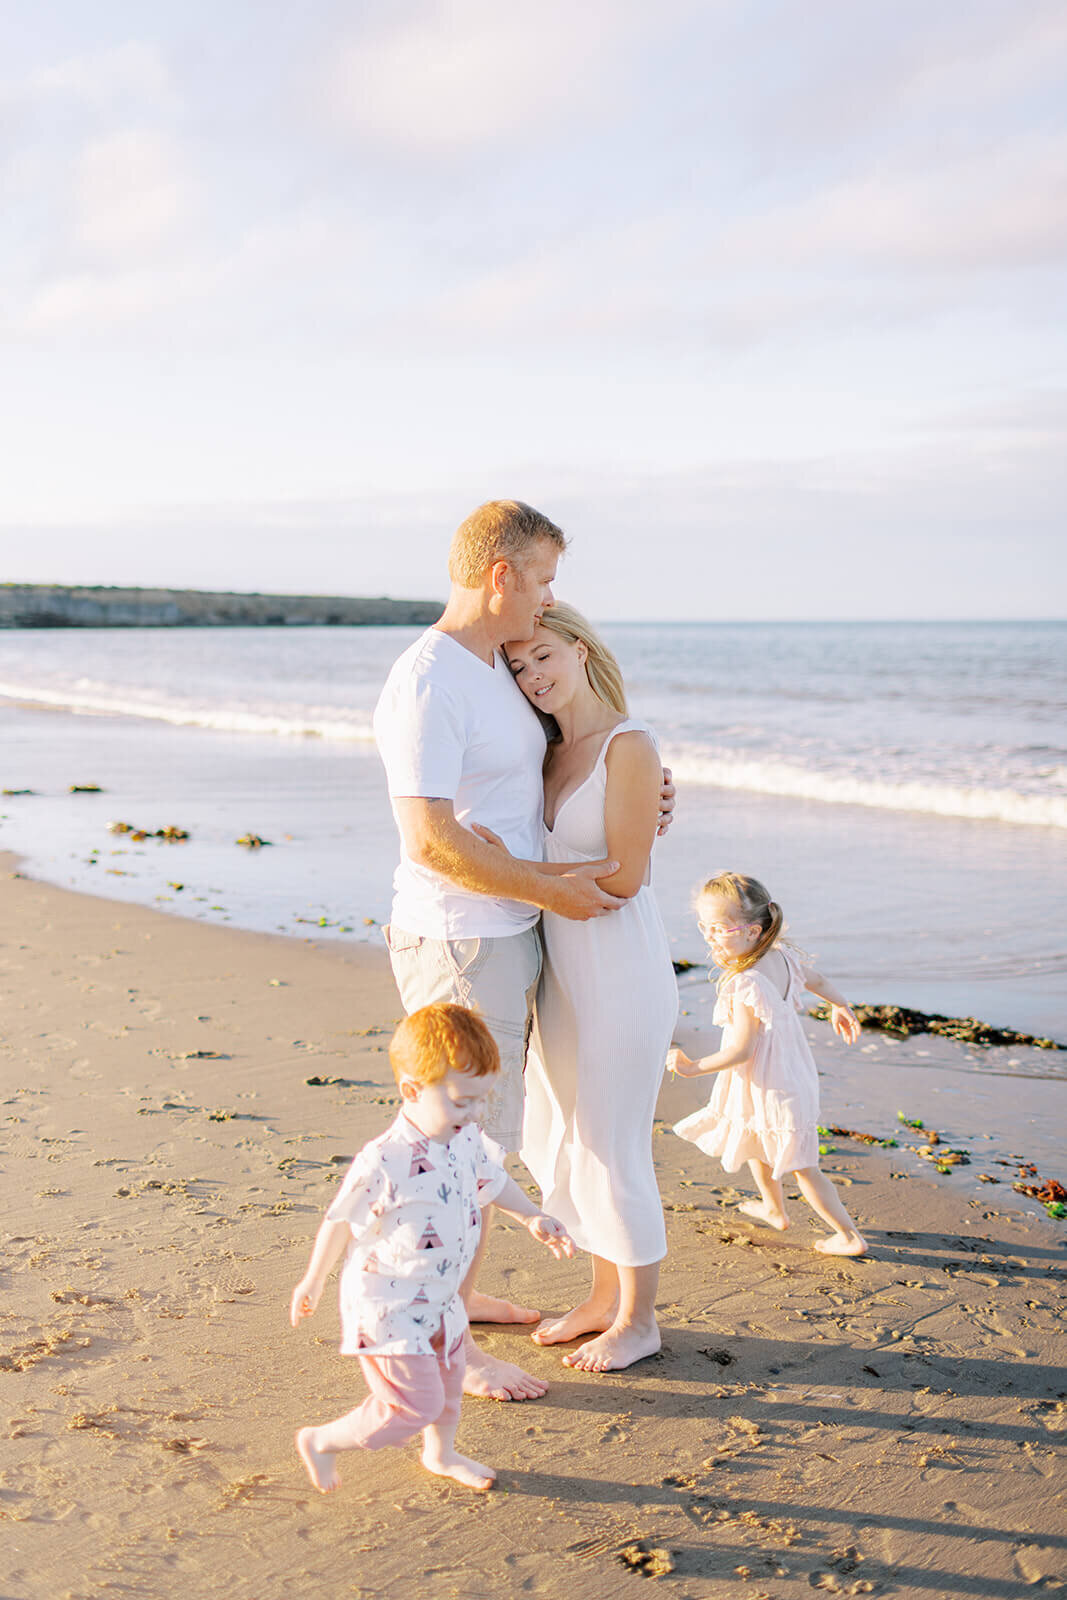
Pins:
x: 628, y: 725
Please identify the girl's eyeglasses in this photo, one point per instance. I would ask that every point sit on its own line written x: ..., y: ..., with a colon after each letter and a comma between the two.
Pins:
x: 715, y: 930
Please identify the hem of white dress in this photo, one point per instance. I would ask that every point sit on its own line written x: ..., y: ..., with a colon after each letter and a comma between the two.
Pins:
x: 605, y: 1255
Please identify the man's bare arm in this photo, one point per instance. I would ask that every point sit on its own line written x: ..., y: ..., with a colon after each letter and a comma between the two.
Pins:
x: 435, y: 840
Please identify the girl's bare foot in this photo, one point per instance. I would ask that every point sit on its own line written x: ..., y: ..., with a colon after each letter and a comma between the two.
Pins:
x: 763, y: 1211
x: 320, y: 1463
x: 449, y: 1464
x: 842, y: 1244
x: 487, y: 1308
x: 618, y: 1346
x: 586, y: 1318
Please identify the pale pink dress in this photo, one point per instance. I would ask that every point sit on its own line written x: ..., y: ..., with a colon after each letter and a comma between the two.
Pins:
x: 767, y: 1109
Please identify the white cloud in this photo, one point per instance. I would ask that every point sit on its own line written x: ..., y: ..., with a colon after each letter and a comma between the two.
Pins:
x: 117, y: 75
x: 99, y: 302
x: 998, y: 206
x: 131, y: 193
x: 455, y: 74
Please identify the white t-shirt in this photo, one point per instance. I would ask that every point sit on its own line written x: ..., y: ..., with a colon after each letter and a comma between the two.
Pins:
x: 450, y: 727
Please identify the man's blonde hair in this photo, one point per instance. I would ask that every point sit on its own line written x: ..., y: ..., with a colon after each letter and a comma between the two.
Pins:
x: 501, y: 530
x: 439, y: 1039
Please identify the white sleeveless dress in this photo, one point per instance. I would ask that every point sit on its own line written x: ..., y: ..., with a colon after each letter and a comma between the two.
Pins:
x: 605, y: 1013
x: 766, y: 1109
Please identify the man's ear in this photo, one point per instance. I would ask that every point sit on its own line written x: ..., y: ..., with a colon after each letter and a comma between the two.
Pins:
x: 499, y: 573
x: 409, y: 1089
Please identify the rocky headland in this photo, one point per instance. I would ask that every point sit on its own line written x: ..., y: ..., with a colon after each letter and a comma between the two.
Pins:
x: 41, y: 605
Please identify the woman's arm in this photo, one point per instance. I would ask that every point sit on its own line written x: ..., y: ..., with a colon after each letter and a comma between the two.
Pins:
x: 631, y: 810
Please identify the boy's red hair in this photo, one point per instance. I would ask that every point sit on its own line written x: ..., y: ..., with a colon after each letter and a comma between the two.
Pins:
x: 439, y: 1039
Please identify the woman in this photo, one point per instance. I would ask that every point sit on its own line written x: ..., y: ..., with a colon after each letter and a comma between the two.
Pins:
x: 608, y: 1000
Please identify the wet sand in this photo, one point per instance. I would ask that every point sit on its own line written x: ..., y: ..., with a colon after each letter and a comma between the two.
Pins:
x: 892, y: 1425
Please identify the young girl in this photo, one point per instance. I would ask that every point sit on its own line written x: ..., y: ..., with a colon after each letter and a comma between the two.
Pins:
x: 409, y: 1215
x: 764, y: 1108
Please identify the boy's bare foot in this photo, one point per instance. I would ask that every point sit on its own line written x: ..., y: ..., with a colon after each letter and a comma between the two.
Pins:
x: 842, y: 1244
x: 763, y: 1211
x: 321, y: 1464
x: 616, y: 1347
x: 449, y: 1464
x: 488, y: 1378
x: 486, y: 1308
x: 586, y: 1318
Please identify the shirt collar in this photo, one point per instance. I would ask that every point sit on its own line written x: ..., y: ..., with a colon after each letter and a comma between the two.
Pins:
x: 405, y: 1129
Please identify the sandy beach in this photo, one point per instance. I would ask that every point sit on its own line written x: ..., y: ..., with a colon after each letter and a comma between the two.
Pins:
x: 179, y: 1100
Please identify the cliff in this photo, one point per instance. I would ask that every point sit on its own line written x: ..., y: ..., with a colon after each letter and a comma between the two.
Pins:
x: 40, y: 605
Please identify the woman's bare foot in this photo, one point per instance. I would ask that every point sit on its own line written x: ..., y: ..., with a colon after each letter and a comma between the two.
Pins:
x: 449, y: 1464
x: 618, y: 1346
x: 763, y: 1211
x: 487, y: 1308
x: 842, y: 1244
x: 320, y: 1463
x: 586, y: 1318
x: 489, y: 1378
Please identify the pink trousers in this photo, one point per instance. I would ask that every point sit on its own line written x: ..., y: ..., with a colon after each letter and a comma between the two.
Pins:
x: 407, y: 1394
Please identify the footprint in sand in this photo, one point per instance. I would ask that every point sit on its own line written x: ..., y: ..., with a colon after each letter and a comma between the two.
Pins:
x: 615, y: 1432
x: 996, y: 1331
x: 651, y: 1561
x: 840, y: 1574
x: 229, y: 1283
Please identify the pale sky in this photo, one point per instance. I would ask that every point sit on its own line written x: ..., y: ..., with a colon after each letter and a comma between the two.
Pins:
x: 763, y: 302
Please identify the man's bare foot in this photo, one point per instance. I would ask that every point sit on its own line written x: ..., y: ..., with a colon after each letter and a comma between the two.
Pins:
x: 489, y: 1378
x: 763, y: 1211
x: 449, y: 1464
x: 586, y: 1318
x: 320, y: 1463
x: 618, y: 1346
x: 486, y: 1308
x: 843, y: 1244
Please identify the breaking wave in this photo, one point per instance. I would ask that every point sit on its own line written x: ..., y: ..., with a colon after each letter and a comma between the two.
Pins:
x: 341, y: 724
x: 980, y: 804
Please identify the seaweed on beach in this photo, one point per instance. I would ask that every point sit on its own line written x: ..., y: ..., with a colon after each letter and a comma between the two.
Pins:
x: 901, y: 1022
x: 1049, y: 1191
x: 171, y: 834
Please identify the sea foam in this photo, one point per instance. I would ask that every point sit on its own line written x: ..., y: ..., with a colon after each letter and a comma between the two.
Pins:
x: 340, y: 724
x: 839, y: 788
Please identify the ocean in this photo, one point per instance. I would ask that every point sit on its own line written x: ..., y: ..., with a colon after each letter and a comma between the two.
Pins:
x: 900, y: 787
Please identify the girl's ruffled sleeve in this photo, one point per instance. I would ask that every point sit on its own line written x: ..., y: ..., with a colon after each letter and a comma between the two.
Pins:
x: 488, y: 1166
x: 361, y: 1197
x: 745, y: 989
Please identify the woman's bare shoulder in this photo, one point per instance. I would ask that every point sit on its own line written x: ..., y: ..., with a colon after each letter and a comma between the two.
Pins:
x: 633, y: 749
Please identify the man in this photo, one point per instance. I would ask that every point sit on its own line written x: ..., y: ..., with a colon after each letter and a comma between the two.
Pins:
x: 462, y: 745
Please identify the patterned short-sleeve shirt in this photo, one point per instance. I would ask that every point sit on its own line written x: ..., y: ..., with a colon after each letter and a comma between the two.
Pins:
x: 414, y: 1207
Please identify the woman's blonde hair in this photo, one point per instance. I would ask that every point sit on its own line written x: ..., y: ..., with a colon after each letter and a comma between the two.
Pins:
x: 755, y: 905
x: 601, y: 667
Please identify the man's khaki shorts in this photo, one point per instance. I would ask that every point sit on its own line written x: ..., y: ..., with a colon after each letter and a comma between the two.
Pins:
x: 495, y: 977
